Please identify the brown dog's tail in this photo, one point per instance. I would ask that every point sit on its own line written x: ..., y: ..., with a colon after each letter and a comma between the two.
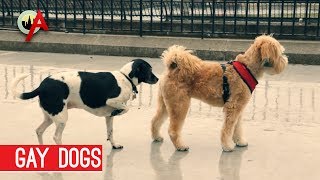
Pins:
x: 179, y: 58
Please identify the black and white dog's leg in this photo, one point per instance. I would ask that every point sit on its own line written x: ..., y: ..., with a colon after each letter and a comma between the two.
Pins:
x: 58, y: 133
x: 120, y: 107
x: 60, y: 120
x: 43, y: 126
x: 109, y: 122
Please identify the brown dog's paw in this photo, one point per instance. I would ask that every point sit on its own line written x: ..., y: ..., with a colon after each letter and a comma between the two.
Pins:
x: 229, y: 147
x: 242, y: 143
x: 158, y: 139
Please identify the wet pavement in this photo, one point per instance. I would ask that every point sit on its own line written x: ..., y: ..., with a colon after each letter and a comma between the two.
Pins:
x: 282, y: 125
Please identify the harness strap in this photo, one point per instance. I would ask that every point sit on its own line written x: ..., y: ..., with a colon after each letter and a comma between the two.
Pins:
x: 245, y: 75
x: 225, y: 85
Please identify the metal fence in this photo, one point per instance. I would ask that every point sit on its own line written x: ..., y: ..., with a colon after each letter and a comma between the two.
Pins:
x: 202, y: 18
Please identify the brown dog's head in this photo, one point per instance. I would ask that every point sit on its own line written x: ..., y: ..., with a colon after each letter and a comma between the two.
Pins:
x: 271, y: 54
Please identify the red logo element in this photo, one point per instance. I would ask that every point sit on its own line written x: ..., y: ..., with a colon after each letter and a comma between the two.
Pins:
x: 36, y: 24
x: 50, y: 158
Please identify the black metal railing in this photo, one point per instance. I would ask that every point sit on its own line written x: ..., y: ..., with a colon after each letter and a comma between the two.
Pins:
x: 203, y: 18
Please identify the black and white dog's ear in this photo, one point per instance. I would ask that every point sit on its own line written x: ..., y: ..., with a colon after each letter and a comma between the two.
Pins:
x: 137, y: 69
x: 134, y: 71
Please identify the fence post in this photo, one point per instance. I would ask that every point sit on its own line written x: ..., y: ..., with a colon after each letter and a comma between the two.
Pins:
x: 131, y: 15
x: 258, y: 17
x: 93, y: 9
x: 235, y: 17
x: 151, y: 18
x: 47, y: 11
x: 181, y: 16
x: 65, y: 14
x: 140, y: 28
x: 112, y: 1
x: 121, y: 14
x: 29, y: 5
x: 74, y: 14
x: 202, y: 19
x: 20, y: 6
x: 306, y: 19
x: 224, y: 16
x: 294, y: 16
x: 83, y: 18
x: 192, y: 11
x: 269, y: 18
x: 161, y: 15
x: 102, y: 14
x: 281, y: 23
x: 247, y: 13
x: 318, y: 25
x: 11, y: 6
x: 56, y: 13
x: 213, y: 16
x: 171, y: 15
x: 3, y: 13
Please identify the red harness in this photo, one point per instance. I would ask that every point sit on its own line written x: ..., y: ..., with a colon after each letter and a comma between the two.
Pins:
x: 245, y: 75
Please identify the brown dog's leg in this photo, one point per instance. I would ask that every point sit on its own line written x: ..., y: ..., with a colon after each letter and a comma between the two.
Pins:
x: 231, y: 118
x: 178, y: 109
x: 158, y: 119
x: 238, y: 134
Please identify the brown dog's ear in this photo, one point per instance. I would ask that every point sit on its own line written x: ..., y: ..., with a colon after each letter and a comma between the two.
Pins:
x: 268, y: 51
x: 273, y: 53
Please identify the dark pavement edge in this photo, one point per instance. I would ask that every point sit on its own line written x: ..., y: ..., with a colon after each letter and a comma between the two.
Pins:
x: 299, y: 52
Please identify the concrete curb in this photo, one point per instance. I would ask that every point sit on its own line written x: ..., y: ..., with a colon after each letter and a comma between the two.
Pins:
x: 299, y: 52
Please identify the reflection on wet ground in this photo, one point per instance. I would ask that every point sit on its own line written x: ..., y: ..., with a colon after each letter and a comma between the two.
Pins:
x: 282, y: 126
x: 51, y: 176
x: 171, y: 166
x: 277, y: 100
x: 229, y: 164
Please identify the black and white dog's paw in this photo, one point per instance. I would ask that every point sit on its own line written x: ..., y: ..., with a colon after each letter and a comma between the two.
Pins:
x: 116, y: 112
x: 117, y: 146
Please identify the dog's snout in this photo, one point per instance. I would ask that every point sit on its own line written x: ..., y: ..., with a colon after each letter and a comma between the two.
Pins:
x: 155, y: 79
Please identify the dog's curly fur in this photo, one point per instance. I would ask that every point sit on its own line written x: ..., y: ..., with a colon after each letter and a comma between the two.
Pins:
x: 186, y: 76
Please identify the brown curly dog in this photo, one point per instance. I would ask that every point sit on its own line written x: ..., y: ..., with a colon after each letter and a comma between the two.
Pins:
x: 186, y: 76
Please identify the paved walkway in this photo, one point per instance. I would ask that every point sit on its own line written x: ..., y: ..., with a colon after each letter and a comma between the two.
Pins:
x: 300, y: 52
x: 281, y: 123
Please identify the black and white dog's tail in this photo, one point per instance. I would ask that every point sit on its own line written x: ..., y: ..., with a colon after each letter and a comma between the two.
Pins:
x: 23, y: 96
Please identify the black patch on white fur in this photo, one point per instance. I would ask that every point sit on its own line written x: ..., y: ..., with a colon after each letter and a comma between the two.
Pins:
x: 51, y: 95
x: 96, y: 88
x: 142, y: 71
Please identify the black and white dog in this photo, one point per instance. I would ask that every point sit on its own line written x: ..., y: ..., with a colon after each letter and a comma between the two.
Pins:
x: 102, y: 94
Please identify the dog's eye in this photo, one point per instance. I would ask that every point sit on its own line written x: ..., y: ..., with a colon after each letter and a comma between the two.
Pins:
x: 267, y: 64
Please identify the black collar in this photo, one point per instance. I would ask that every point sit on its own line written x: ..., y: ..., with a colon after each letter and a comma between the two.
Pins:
x: 134, y: 87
